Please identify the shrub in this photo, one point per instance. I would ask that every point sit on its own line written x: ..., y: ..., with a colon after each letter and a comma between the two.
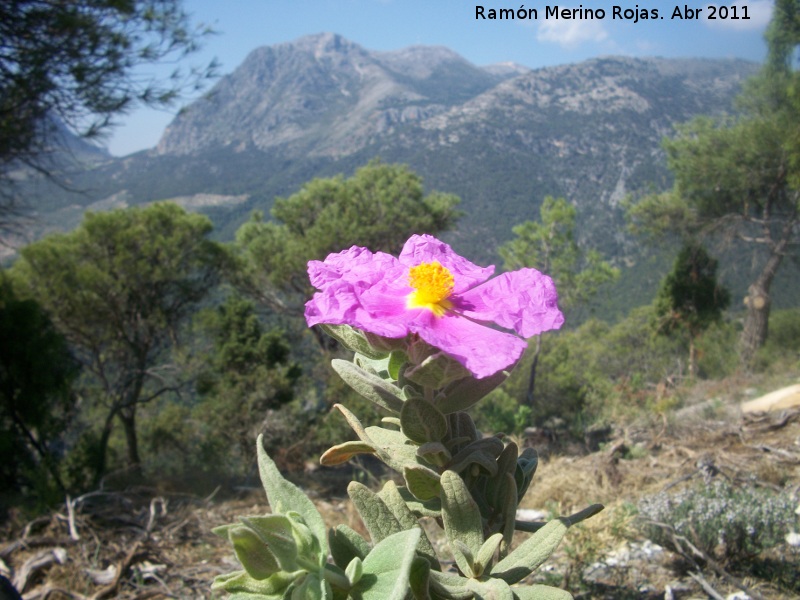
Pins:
x: 733, y: 523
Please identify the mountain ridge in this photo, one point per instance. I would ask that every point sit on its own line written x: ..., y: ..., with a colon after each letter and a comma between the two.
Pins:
x: 501, y: 138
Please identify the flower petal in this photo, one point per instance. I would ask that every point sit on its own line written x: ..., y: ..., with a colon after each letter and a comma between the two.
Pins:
x: 482, y: 350
x: 525, y: 301
x: 341, y: 305
x: 426, y: 248
x: 355, y: 265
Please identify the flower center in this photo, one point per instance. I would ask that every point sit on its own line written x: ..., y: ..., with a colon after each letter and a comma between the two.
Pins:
x: 433, y: 284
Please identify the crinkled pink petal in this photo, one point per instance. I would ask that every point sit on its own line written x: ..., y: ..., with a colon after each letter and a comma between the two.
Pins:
x: 524, y: 300
x: 426, y: 248
x: 355, y: 264
x: 341, y: 305
x: 482, y: 350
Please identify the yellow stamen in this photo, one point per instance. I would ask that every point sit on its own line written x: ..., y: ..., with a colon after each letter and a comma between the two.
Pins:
x: 433, y: 285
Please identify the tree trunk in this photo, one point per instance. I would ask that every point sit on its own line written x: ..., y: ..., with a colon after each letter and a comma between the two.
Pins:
x: 40, y: 448
x: 532, y: 378
x: 102, y: 447
x: 127, y: 417
x: 692, y: 356
x: 757, y: 301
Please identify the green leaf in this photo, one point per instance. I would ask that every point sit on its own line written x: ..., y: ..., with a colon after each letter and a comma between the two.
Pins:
x: 346, y: 545
x: 387, y: 568
x: 483, y: 452
x: 431, y: 508
x: 379, y: 367
x: 271, y: 588
x: 461, y: 426
x: 373, y: 388
x: 253, y: 553
x: 354, y: 340
x: 449, y: 585
x: 354, y: 570
x: 393, y: 448
x: 468, y: 559
x: 490, y: 589
x: 422, y: 482
x: 462, y: 394
x: 313, y: 587
x: 378, y: 519
x: 529, y: 555
x: 526, y: 467
x: 276, y: 532
x: 341, y: 453
x: 437, y: 371
x: 393, y: 499
x: 434, y: 453
x: 422, y: 422
x: 486, y: 553
x: 397, y: 359
x: 540, y: 592
x: 419, y: 578
x: 284, y: 496
x: 461, y: 518
x: 509, y: 512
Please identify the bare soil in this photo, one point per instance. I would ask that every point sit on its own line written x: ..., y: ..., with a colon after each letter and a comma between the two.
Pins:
x: 142, y: 544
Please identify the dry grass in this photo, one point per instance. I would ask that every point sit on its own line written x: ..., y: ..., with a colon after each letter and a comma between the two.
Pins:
x: 161, y: 545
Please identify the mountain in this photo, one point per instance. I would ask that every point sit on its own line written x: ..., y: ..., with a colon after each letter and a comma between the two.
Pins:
x: 323, y: 96
x: 502, y: 137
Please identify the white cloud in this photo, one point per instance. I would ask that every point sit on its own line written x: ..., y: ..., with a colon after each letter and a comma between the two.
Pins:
x: 570, y: 33
x: 759, y: 12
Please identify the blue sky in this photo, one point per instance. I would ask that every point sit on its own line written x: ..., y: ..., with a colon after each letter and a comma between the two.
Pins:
x: 244, y: 25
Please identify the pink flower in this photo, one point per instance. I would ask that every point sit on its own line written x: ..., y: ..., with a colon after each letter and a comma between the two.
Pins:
x: 433, y: 292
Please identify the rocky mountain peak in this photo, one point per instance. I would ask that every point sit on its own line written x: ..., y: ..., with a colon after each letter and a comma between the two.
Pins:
x: 322, y: 94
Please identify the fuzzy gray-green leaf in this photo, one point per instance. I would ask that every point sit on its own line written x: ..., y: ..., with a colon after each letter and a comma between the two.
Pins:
x: 272, y: 588
x: 434, y: 453
x: 422, y: 482
x: 526, y: 467
x: 392, y: 498
x: 354, y: 340
x: 276, y: 532
x: 461, y: 517
x: 284, y: 496
x: 422, y: 422
x: 486, y: 553
x: 450, y: 586
x: 437, y: 371
x: 386, y: 569
x: 462, y: 394
x: 529, y: 555
x: 372, y: 387
x: 253, y: 553
x: 393, y: 447
x: 346, y: 545
x: 483, y: 452
x: 490, y: 589
x: 378, y: 519
x: 540, y: 592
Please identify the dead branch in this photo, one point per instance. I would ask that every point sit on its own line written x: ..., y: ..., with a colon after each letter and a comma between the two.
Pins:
x: 38, y: 562
x: 698, y: 577
x: 122, y: 568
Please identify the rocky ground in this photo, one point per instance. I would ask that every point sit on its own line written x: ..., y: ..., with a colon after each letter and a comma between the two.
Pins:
x: 141, y: 544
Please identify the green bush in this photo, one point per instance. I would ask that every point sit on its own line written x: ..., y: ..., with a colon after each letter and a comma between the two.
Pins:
x: 499, y: 411
x: 730, y: 522
x: 717, y: 351
x: 783, y: 342
x: 598, y: 372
